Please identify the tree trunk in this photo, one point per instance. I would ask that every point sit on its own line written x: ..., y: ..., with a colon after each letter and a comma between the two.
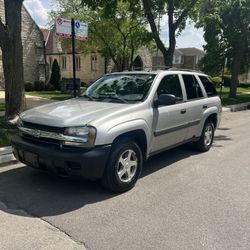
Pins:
x: 237, y: 62
x: 12, y: 55
x: 168, y: 57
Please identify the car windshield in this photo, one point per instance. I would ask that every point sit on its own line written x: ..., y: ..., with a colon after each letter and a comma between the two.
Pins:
x: 124, y: 88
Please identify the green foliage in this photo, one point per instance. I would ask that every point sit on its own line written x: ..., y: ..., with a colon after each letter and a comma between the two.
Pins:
x: 55, y: 75
x: 217, y: 79
x: 227, y: 33
x: 28, y: 86
x: 39, y: 85
x: 7, y: 131
x: 2, y: 106
x: 117, y: 34
x: 49, y: 87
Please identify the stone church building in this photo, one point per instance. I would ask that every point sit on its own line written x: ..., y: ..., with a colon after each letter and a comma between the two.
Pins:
x: 33, y: 48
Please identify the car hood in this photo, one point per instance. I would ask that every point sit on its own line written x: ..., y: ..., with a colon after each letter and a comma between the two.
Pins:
x: 73, y: 112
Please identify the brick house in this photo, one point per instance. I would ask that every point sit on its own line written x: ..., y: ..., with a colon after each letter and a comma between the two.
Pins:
x: 186, y: 58
x: 89, y: 66
x: 33, y: 48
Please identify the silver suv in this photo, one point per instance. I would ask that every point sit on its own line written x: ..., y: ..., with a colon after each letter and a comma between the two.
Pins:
x: 121, y: 120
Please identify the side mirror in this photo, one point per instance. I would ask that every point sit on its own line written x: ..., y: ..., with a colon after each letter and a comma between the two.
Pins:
x: 166, y: 99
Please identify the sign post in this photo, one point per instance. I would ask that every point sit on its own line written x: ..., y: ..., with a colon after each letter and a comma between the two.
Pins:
x: 73, y: 54
x: 74, y: 30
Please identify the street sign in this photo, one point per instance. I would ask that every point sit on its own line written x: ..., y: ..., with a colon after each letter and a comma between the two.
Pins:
x: 64, y: 29
x: 74, y: 30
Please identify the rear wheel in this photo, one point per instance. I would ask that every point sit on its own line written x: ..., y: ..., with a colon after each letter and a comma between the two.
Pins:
x: 206, y: 140
x: 124, y: 166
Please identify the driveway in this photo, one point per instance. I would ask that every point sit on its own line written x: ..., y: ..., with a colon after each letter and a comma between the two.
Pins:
x: 183, y: 200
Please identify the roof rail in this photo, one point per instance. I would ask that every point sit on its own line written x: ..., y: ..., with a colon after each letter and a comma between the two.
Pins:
x: 161, y: 67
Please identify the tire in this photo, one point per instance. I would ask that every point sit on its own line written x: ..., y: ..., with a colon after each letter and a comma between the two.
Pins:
x: 206, y: 140
x: 124, y: 166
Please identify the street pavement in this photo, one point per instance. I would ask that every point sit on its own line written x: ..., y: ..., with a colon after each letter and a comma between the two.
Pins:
x: 183, y: 200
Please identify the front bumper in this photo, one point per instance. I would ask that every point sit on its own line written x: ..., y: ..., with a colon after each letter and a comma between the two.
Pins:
x: 88, y: 163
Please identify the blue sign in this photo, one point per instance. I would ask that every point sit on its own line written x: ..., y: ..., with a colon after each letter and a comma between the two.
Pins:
x: 78, y: 25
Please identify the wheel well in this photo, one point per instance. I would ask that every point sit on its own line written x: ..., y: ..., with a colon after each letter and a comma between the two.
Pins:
x: 139, y: 136
x: 213, y: 118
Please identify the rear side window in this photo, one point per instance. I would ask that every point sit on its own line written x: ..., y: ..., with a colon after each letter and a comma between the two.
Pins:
x: 192, y: 86
x: 208, y: 85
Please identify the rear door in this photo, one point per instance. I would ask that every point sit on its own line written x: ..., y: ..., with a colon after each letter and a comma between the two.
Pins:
x: 196, y: 103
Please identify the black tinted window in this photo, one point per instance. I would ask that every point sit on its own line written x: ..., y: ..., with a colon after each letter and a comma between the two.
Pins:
x: 208, y: 85
x: 170, y: 85
x: 192, y: 86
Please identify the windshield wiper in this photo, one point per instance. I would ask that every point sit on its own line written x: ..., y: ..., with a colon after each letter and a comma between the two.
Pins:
x: 116, y: 98
x: 88, y: 96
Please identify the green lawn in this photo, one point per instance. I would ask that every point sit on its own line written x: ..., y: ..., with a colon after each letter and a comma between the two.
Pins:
x: 2, y: 107
x: 239, y: 99
x: 225, y: 90
x: 52, y: 95
x: 7, y: 131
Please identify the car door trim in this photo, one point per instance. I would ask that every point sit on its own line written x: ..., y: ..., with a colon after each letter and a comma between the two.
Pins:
x: 174, y: 129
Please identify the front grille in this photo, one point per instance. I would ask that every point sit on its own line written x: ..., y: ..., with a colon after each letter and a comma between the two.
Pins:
x: 39, y: 127
x: 40, y: 140
x: 43, y: 127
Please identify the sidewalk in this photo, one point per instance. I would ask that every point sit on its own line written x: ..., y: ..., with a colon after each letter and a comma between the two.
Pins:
x: 31, y: 101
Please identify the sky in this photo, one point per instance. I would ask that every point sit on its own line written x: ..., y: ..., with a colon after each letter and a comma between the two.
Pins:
x: 190, y: 37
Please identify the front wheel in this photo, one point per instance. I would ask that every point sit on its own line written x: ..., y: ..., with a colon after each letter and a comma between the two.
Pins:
x: 124, y: 166
x: 206, y: 140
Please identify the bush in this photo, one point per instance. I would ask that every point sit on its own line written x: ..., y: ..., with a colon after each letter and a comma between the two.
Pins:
x: 28, y: 86
x: 49, y: 87
x: 55, y: 75
x: 217, y: 80
x: 39, y: 85
x: 84, y: 84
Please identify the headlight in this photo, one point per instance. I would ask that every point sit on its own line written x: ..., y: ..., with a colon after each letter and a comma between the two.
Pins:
x: 80, y: 136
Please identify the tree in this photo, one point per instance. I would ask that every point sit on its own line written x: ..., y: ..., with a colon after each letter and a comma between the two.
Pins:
x: 227, y: 33
x: 117, y: 34
x: 177, y: 11
x: 55, y: 75
x: 12, y: 56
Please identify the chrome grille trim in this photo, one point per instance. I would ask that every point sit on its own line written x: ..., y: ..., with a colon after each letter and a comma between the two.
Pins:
x: 51, y: 135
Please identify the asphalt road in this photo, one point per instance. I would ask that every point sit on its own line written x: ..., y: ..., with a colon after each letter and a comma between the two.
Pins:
x: 184, y: 200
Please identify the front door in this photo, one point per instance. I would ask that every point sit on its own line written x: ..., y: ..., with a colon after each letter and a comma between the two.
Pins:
x: 169, y: 123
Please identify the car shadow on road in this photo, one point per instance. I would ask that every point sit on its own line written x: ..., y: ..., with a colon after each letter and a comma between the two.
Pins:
x: 40, y: 194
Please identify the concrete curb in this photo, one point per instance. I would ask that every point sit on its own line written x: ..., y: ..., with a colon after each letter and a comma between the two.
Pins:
x: 239, y: 107
x: 6, y: 155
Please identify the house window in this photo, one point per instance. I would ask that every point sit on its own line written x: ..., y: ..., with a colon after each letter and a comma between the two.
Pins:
x: 197, y: 59
x: 78, y: 63
x: 178, y: 59
x: 64, y: 62
x: 93, y: 62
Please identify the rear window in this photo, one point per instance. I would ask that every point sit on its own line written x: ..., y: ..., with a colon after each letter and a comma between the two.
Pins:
x: 208, y: 85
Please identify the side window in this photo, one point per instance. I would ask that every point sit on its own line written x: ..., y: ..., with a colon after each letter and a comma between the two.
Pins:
x: 170, y: 84
x: 192, y: 86
x: 208, y: 85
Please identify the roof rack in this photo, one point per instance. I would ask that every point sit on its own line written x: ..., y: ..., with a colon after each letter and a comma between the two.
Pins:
x: 160, y: 67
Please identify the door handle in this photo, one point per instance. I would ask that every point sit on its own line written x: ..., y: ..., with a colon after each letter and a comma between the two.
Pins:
x: 205, y: 106
x: 183, y: 111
